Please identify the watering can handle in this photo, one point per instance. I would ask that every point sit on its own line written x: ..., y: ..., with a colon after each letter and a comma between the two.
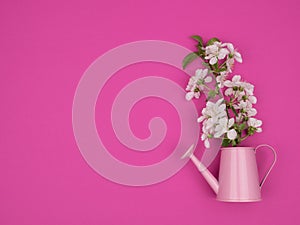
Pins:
x: 271, y: 167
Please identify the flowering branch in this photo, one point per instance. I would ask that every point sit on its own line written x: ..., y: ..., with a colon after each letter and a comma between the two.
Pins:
x: 231, y: 117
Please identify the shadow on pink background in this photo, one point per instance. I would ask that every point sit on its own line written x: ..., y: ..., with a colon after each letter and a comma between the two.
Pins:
x: 45, y: 49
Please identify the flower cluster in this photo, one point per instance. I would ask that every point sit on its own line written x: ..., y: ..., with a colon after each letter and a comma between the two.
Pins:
x: 222, y: 57
x: 240, y: 101
x: 197, y: 84
x: 241, y: 97
x: 218, y: 57
x: 231, y: 117
x: 216, y: 122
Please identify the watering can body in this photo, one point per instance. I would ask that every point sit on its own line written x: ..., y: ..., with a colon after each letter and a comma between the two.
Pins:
x: 238, y: 175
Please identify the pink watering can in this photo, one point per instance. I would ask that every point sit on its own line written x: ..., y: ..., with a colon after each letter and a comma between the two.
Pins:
x: 238, y: 174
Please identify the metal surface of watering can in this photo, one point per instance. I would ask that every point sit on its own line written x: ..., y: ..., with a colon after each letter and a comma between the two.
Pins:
x: 238, y: 175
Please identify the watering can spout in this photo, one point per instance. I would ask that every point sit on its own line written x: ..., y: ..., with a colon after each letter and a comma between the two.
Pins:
x: 211, y: 180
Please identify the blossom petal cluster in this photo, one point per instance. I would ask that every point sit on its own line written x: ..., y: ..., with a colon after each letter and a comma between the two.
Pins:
x: 197, y: 83
x: 215, y: 122
x: 225, y: 53
x: 229, y: 113
x: 215, y: 52
x: 219, y: 51
x: 242, y: 97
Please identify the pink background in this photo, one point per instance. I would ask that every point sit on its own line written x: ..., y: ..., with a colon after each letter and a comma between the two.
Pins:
x: 45, y: 49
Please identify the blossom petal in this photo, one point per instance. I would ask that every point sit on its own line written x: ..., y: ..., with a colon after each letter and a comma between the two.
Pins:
x: 253, y: 99
x: 209, y: 56
x: 228, y: 83
x: 251, y: 122
x: 208, y: 79
x: 252, y: 112
x: 238, y: 57
x: 213, y: 60
x: 230, y: 122
x: 231, y: 134
x: 218, y: 134
x: 206, y: 143
x: 222, y: 107
x: 223, y: 53
x: 236, y: 78
x: 258, y: 123
x: 220, y: 101
x: 189, y: 96
x: 223, y: 121
x: 198, y: 73
x: 228, y: 92
x: 230, y: 47
x: 200, y: 119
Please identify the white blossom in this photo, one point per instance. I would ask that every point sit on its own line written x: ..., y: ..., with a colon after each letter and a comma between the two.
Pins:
x: 229, y: 64
x: 213, y: 111
x: 249, y: 88
x: 235, y: 82
x: 221, y: 79
x: 215, y: 52
x: 204, y: 138
x: 215, y: 122
x: 190, y: 95
x: 197, y: 83
x: 255, y: 123
x: 233, y: 56
x: 233, y: 117
x: 239, y: 118
x: 224, y: 126
x: 246, y: 108
x: 233, y: 53
x: 232, y: 134
x: 248, y: 99
x: 240, y: 89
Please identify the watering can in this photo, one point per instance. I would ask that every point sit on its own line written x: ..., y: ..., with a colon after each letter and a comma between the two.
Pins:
x: 238, y: 175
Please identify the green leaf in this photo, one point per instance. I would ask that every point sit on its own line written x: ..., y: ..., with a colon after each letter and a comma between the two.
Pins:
x: 225, y: 142
x: 212, y: 94
x: 238, y: 140
x: 212, y: 40
x: 198, y: 38
x: 222, y: 69
x: 242, y: 126
x: 201, y: 53
x: 188, y: 59
x: 215, y: 66
x: 251, y: 130
x: 206, y: 65
x: 234, y: 143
